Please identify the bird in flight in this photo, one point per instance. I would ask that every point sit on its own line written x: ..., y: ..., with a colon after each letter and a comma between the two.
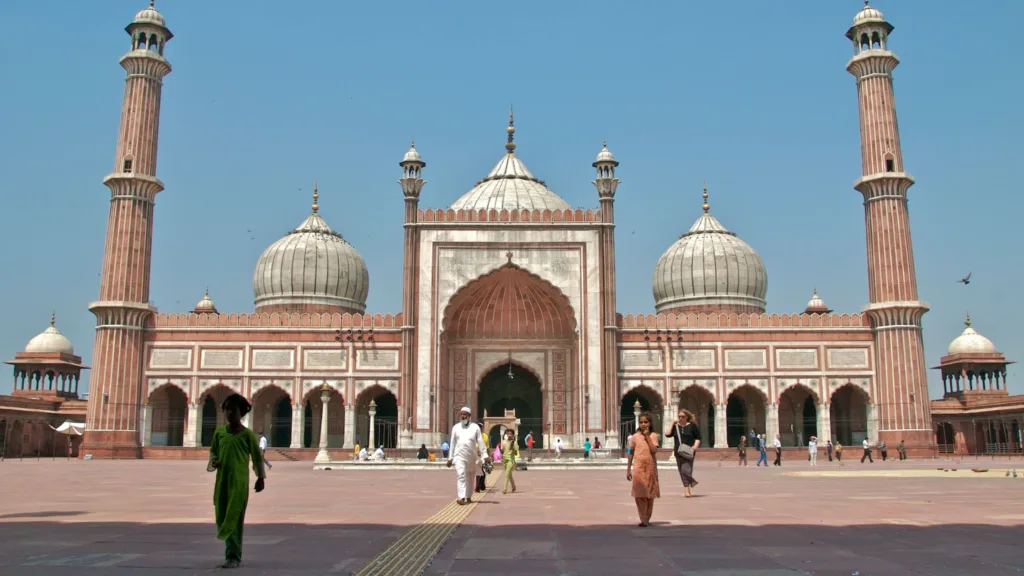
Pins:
x: 965, y: 280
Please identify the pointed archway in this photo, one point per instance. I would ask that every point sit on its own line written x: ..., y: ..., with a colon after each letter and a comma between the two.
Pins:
x: 745, y: 410
x: 512, y: 387
x: 701, y: 402
x: 648, y: 400
x: 505, y: 311
x: 798, y: 415
x: 849, y: 414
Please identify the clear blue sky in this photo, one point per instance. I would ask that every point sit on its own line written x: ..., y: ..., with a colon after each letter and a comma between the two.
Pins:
x: 752, y: 96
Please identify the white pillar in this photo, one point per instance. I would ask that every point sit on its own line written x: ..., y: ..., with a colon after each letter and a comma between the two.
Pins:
x: 667, y: 418
x: 350, y: 426
x: 772, y: 425
x: 872, y: 424
x: 147, y: 426
x: 193, y: 425
x: 297, y: 422
x: 721, y: 427
x: 370, y: 446
x: 824, y: 423
x: 636, y: 414
x: 322, y: 457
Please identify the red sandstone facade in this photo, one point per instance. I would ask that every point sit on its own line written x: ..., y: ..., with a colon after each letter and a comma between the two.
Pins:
x: 509, y: 285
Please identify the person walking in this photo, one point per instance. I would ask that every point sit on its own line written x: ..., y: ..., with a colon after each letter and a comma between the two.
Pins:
x: 509, y: 455
x: 586, y: 449
x: 742, y: 450
x: 444, y: 449
x: 901, y: 450
x: 884, y: 450
x: 263, y: 450
x: 467, y: 448
x: 231, y: 449
x: 778, y: 450
x: 686, y: 438
x: 812, y: 450
x: 828, y: 448
x: 763, y: 456
x: 642, y: 469
x: 558, y: 448
x: 867, y: 452
x: 839, y: 453
x: 529, y: 446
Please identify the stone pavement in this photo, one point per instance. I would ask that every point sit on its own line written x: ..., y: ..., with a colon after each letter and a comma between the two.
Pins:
x: 155, y: 517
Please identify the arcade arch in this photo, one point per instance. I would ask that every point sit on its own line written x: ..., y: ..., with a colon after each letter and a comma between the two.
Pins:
x: 511, y: 386
x: 650, y: 401
x: 312, y: 413
x: 385, y: 418
x: 745, y: 410
x: 945, y: 437
x: 798, y: 415
x: 701, y: 402
x: 272, y: 416
x: 168, y: 409
x: 210, y: 414
x: 848, y: 412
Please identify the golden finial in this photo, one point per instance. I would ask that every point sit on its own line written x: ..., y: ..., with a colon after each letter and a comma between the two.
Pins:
x: 53, y: 318
x: 967, y: 323
x: 316, y: 198
x: 706, y: 205
x: 511, y: 145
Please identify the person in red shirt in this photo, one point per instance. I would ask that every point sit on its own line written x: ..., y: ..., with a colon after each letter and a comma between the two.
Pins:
x: 529, y: 446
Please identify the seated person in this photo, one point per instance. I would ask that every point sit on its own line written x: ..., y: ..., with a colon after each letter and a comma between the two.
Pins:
x: 422, y: 453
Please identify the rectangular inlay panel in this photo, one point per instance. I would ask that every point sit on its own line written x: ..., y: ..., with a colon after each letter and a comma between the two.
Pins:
x: 330, y: 358
x: 847, y: 357
x: 746, y: 358
x: 273, y: 358
x: 640, y: 358
x: 215, y: 358
x: 693, y: 359
x: 170, y: 358
x: 377, y: 359
x: 803, y: 358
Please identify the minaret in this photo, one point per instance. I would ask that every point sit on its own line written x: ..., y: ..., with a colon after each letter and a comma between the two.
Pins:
x: 902, y: 410
x: 606, y: 184
x: 116, y: 388
x: 412, y: 184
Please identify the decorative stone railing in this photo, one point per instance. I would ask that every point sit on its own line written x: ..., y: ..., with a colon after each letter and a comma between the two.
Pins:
x: 276, y: 320
x: 679, y: 321
x: 447, y: 215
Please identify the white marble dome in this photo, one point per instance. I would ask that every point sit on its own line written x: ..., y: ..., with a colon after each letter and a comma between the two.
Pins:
x: 412, y: 155
x: 206, y: 305
x: 150, y: 16
x: 605, y: 155
x: 510, y: 186
x: 50, y: 341
x: 868, y: 14
x: 970, y: 342
x: 312, y: 266
x: 710, y: 267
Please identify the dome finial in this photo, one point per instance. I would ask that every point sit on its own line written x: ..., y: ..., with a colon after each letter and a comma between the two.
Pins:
x: 153, y: 2
x: 967, y: 322
x: 511, y: 145
x: 412, y: 143
x: 705, y: 195
x: 316, y: 198
x: 53, y: 318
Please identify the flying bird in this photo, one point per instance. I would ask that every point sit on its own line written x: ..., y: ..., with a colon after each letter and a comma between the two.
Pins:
x: 965, y: 280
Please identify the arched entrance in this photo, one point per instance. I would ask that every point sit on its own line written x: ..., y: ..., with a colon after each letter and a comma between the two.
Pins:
x: 650, y: 401
x: 312, y: 411
x: 745, y: 410
x: 700, y: 401
x: 272, y: 416
x: 211, y: 416
x: 512, y: 311
x: 945, y: 437
x: 168, y: 409
x: 798, y: 416
x: 512, y: 387
x: 849, y: 415
x: 385, y: 418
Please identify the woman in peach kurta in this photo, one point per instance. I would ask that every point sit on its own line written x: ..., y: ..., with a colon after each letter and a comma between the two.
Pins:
x: 642, y: 468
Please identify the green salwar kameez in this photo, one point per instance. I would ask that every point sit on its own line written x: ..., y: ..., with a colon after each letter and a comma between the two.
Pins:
x: 509, y: 454
x: 231, y: 492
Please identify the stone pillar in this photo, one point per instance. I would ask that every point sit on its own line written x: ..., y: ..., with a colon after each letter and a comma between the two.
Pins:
x: 193, y: 425
x: 246, y: 419
x: 872, y: 423
x: 350, y: 426
x: 824, y: 423
x: 297, y: 425
x: 147, y: 424
x: 721, y: 427
x: 772, y: 424
x: 636, y: 414
x: 370, y: 445
x: 667, y: 418
x: 322, y: 457
x: 405, y: 431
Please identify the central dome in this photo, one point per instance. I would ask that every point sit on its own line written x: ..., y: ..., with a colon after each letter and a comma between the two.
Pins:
x: 311, y: 269
x: 510, y: 186
x: 710, y: 269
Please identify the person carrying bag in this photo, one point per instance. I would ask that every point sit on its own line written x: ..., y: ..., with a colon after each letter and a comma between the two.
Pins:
x: 686, y: 435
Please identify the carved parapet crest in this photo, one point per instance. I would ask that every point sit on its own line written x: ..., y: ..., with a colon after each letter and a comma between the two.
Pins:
x: 276, y: 320
x: 449, y: 216
x: 672, y: 322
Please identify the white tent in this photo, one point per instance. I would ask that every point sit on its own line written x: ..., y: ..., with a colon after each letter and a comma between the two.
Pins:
x: 71, y: 428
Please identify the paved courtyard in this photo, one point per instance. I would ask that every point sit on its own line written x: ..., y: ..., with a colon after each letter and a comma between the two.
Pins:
x: 155, y: 517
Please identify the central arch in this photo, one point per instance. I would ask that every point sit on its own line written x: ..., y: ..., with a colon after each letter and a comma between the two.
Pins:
x: 521, y: 392
x: 510, y: 310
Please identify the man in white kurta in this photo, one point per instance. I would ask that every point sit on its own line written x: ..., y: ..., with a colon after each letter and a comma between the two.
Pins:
x: 467, y: 448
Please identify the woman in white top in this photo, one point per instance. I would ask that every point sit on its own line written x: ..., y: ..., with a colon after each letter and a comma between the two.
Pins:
x: 812, y: 450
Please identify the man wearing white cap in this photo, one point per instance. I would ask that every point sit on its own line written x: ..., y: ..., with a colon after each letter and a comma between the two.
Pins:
x: 467, y: 447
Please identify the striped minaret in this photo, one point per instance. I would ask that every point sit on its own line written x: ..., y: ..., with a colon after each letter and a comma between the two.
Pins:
x: 901, y: 409
x: 116, y: 388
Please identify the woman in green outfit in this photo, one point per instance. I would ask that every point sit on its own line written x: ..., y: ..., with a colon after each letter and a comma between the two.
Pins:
x: 509, y: 454
x: 232, y: 447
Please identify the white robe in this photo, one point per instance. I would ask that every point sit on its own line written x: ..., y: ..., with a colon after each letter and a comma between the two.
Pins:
x: 467, y: 447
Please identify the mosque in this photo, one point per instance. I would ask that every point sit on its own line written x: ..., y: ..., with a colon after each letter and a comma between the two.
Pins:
x: 509, y: 306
